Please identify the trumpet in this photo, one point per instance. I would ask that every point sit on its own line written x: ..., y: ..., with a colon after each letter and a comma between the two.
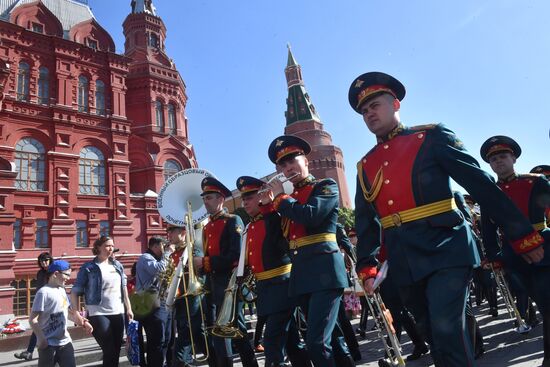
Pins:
x: 509, y: 301
x: 225, y: 325
x: 384, y: 321
x: 281, y: 178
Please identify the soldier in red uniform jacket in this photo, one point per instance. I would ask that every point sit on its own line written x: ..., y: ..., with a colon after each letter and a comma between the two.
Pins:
x: 222, y: 237
x: 531, y: 194
x: 404, y: 193
x: 182, y: 349
x: 266, y: 256
x: 318, y: 276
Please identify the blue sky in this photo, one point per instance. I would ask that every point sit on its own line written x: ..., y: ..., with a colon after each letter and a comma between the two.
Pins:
x: 480, y: 67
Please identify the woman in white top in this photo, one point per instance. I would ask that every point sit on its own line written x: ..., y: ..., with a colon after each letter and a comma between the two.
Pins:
x: 103, y: 283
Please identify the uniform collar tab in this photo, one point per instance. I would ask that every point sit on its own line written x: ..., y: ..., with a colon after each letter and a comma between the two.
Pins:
x: 306, y: 181
x: 392, y: 134
x: 509, y: 178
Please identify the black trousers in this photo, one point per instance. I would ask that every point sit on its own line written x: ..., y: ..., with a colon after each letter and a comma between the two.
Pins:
x: 108, y: 331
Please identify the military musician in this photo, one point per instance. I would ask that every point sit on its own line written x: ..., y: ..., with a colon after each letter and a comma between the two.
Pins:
x: 531, y: 194
x: 222, y: 245
x: 404, y: 194
x: 267, y: 258
x: 185, y: 308
x: 309, y: 217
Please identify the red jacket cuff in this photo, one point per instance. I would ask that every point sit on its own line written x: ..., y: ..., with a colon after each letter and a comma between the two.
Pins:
x: 206, y: 264
x: 278, y: 199
x: 267, y: 209
x: 366, y: 273
x: 528, y: 243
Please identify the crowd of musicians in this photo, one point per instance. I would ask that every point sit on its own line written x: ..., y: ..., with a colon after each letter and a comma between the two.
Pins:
x: 434, y: 241
x: 434, y: 244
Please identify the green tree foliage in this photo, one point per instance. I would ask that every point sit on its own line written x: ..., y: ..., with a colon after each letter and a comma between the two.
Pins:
x: 346, y: 217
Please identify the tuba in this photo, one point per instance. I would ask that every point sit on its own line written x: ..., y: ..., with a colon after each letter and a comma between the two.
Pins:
x: 178, y: 190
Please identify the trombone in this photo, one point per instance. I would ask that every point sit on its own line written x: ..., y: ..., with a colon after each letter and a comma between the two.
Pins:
x: 384, y: 321
x: 193, y: 288
x: 225, y: 327
x: 504, y: 289
x: 509, y: 302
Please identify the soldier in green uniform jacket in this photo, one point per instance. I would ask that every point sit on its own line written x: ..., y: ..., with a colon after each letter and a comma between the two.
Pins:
x: 404, y: 196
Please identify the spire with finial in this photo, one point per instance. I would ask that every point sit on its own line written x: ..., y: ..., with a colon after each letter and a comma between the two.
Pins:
x: 299, y: 106
x: 143, y: 6
x: 291, y: 60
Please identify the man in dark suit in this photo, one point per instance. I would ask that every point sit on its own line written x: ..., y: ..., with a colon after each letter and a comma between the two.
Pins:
x: 404, y: 195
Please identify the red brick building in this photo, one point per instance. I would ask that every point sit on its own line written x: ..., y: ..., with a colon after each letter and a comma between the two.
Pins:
x: 87, y: 136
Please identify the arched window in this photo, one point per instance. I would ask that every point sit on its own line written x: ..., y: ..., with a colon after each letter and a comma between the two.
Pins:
x: 30, y: 165
x: 83, y: 93
x: 172, y: 125
x: 159, y: 113
x: 43, y: 85
x: 171, y: 167
x: 100, y: 98
x: 153, y: 40
x: 23, y: 78
x: 91, y: 171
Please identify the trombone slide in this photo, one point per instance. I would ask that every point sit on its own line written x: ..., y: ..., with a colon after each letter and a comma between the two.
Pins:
x: 384, y: 321
x: 176, y: 279
x: 509, y: 301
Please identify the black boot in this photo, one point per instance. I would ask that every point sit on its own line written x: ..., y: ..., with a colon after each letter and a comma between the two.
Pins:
x: 24, y: 355
x: 249, y: 362
x: 224, y: 362
x: 532, y: 319
x: 420, y: 346
x: 344, y: 361
x: 418, y: 351
x: 299, y: 358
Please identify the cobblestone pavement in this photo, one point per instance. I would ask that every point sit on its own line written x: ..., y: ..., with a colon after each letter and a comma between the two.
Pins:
x: 504, y: 347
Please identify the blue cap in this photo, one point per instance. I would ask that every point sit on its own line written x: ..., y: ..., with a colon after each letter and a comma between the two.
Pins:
x: 58, y: 265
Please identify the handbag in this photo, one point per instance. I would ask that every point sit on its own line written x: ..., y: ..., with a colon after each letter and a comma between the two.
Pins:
x: 132, y: 343
x: 144, y: 303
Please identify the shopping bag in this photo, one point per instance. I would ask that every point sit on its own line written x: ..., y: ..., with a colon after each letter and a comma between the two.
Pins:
x: 132, y: 343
